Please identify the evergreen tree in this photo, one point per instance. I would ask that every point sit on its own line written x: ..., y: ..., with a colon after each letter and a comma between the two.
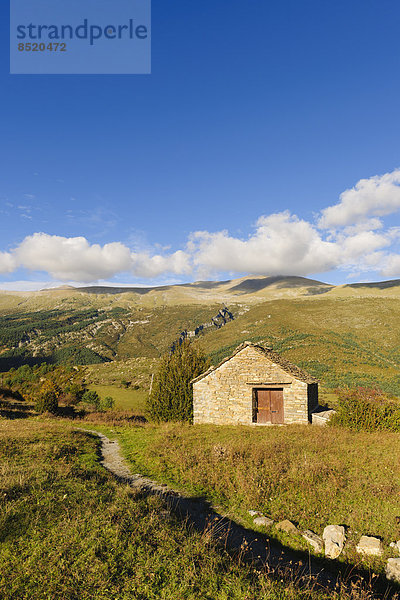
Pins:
x: 171, y: 398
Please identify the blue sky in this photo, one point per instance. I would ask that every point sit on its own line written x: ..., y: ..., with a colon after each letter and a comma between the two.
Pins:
x: 224, y: 161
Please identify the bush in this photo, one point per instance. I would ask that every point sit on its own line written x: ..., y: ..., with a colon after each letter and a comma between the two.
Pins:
x: 364, y: 409
x: 108, y: 403
x: 172, y: 394
x: 47, y: 398
x: 92, y: 398
x: 72, y: 394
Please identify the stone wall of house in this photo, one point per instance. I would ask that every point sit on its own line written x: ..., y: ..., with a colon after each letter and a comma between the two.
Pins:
x: 224, y: 396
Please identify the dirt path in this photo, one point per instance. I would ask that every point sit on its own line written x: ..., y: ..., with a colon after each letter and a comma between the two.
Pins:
x: 280, y: 561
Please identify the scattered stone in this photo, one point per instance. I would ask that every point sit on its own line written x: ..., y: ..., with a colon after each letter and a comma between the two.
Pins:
x: 334, y: 538
x: 393, y: 569
x: 395, y: 545
x: 287, y: 526
x: 263, y: 521
x: 371, y: 546
x: 254, y: 513
x: 314, y: 540
x: 322, y: 417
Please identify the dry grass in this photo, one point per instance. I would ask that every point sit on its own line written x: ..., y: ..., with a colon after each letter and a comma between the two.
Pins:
x: 313, y: 476
x: 68, y: 531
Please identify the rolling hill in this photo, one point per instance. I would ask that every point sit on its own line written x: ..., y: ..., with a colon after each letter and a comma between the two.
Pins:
x: 347, y: 334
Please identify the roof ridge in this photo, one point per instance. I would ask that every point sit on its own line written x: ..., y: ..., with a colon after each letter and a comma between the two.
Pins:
x: 285, y: 364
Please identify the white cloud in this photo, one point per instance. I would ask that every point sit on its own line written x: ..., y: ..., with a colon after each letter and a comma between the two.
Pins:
x: 282, y: 244
x: 25, y: 285
x: 72, y: 258
x: 353, y: 247
x: 351, y: 236
x: 391, y: 266
x: 376, y: 197
x: 148, y: 266
x: 75, y: 259
x: 7, y: 262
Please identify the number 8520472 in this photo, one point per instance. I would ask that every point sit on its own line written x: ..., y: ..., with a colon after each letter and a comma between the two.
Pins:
x: 42, y: 47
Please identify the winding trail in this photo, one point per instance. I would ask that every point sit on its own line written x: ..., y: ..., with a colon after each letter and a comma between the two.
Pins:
x: 278, y: 560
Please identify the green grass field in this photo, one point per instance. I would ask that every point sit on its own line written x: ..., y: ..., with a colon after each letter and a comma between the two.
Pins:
x: 311, y: 475
x: 68, y: 531
x: 125, y: 399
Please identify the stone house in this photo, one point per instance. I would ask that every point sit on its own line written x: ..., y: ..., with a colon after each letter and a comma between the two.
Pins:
x: 254, y: 386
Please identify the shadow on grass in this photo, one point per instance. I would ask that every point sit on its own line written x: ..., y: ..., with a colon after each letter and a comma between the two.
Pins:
x: 263, y: 552
x: 10, y: 409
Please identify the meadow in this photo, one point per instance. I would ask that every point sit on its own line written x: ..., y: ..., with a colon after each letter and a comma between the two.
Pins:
x: 125, y: 399
x: 68, y: 530
x: 313, y: 476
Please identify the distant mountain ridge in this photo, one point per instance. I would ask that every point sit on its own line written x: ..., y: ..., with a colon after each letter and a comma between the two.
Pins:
x: 244, y: 285
x: 382, y: 285
x: 341, y: 334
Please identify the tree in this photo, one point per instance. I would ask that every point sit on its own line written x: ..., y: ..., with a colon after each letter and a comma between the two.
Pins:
x: 47, y: 398
x: 108, y: 403
x: 171, y: 398
x: 92, y: 398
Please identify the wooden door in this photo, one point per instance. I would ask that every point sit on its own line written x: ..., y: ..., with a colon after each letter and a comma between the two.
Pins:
x: 269, y: 406
x: 263, y: 406
x: 276, y: 406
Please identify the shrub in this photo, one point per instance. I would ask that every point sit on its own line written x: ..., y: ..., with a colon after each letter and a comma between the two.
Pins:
x: 72, y: 394
x: 172, y: 394
x: 47, y: 398
x: 364, y: 409
x: 108, y: 403
x: 92, y: 398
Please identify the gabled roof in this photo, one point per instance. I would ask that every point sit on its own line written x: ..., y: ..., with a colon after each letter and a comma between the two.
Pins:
x: 274, y: 357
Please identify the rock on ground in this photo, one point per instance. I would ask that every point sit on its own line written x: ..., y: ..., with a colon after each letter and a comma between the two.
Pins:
x: 334, y: 538
x: 322, y: 417
x: 314, y: 540
x: 263, y: 521
x: 393, y: 569
x: 371, y: 546
x: 254, y: 513
x: 287, y: 526
x: 395, y: 545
